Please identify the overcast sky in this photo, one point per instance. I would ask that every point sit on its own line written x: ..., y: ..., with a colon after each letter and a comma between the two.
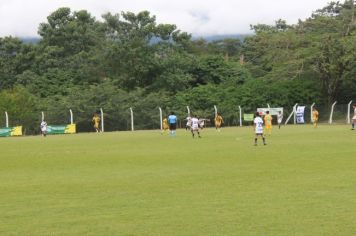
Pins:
x: 199, y: 17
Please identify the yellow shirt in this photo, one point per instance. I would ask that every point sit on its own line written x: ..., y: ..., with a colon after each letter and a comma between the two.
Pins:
x: 96, y: 120
x: 165, y: 123
x: 218, y: 120
x: 315, y: 115
x: 268, y: 119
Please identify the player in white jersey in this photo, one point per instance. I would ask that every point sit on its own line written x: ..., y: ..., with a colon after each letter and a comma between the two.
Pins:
x: 189, y: 122
x: 195, y: 126
x: 258, y: 125
x: 43, y: 127
x: 354, y: 117
x: 279, y: 119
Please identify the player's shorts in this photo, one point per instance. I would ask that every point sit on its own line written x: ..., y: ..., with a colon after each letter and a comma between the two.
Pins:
x: 315, y: 120
x: 268, y: 126
x: 218, y: 124
x: 173, y: 126
x: 279, y: 121
x: 354, y: 118
x: 259, y: 133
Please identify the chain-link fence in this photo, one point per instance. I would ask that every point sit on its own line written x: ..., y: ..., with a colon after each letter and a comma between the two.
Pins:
x: 144, y: 118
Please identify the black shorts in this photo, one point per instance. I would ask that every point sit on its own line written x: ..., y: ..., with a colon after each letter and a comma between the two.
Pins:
x: 173, y: 126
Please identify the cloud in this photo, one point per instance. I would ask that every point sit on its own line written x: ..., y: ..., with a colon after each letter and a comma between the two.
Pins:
x: 199, y: 17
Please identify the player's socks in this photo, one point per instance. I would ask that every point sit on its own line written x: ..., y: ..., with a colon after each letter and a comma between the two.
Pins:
x: 255, y: 141
x: 353, y: 126
x: 264, y: 141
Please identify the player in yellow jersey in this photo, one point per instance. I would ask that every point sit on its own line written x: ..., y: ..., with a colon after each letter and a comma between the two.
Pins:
x: 315, y: 115
x: 268, y: 122
x: 218, y: 121
x: 165, y: 125
x: 96, y: 122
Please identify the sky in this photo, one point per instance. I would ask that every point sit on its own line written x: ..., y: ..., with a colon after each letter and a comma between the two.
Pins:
x: 21, y: 18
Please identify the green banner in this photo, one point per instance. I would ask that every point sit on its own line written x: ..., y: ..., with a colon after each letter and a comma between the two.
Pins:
x: 248, y: 117
x: 11, y: 131
x: 61, y: 129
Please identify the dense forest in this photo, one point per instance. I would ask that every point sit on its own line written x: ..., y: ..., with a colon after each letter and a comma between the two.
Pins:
x: 129, y: 60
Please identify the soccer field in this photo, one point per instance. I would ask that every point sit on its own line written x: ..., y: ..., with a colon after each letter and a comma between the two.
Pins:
x: 144, y: 183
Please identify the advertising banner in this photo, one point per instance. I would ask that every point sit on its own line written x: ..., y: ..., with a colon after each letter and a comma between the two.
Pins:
x: 61, y: 129
x: 300, y: 114
x: 272, y: 111
x: 11, y: 131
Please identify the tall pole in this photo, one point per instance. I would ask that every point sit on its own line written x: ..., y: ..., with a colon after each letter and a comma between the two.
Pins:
x: 348, y: 112
x: 268, y: 106
x: 216, y: 111
x: 161, y: 117
x: 7, y: 119
x: 102, y: 119
x: 132, y: 119
x: 331, y: 113
x: 295, y: 113
x: 188, y: 110
x: 240, y: 110
x: 42, y: 113
x: 71, y: 116
x: 311, y: 112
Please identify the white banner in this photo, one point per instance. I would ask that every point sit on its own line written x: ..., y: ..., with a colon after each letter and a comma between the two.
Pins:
x: 300, y: 114
x: 272, y: 111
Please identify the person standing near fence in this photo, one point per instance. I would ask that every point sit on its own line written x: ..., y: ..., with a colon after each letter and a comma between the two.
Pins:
x: 172, y: 121
x: 218, y: 121
x: 258, y: 125
x: 96, y: 122
x: 279, y: 119
x: 268, y: 122
x: 354, y: 117
x: 315, y: 115
x: 43, y: 127
x: 165, y: 125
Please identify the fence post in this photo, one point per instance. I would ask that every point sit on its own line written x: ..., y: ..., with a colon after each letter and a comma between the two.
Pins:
x: 311, y: 112
x: 331, y: 113
x: 160, y: 117
x: 216, y: 111
x: 348, y: 112
x: 132, y: 119
x: 291, y: 114
x: 7, y: 119
x: 240, y: 111
x: 71, y: 116
x: 102, y: 119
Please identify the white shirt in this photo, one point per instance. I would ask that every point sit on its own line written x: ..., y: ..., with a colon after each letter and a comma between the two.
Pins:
x: 44, y: 126
x: 258, y: 125
x: 195, y: 123
x: 354, y: 118
x: 189, y: 121
x: 279, y: 118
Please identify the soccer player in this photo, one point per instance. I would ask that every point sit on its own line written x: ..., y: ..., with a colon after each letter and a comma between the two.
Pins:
x: 268, y: 122
x: 195, y: 126
x: 315, y: 115
x: 218, y: 122
x: 279, y: 119
x: 189, y: 122
x: 96, y: 122
x: 258, y: 125
x: 354, y: 117
x: 165, y: 125
x: 172, y: 121
x: 43, y: 127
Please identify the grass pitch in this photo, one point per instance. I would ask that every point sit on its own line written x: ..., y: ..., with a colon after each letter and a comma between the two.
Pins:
x: 143, y: 183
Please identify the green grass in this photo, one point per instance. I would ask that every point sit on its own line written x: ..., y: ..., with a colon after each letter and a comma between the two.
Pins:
x: 143, y: 183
